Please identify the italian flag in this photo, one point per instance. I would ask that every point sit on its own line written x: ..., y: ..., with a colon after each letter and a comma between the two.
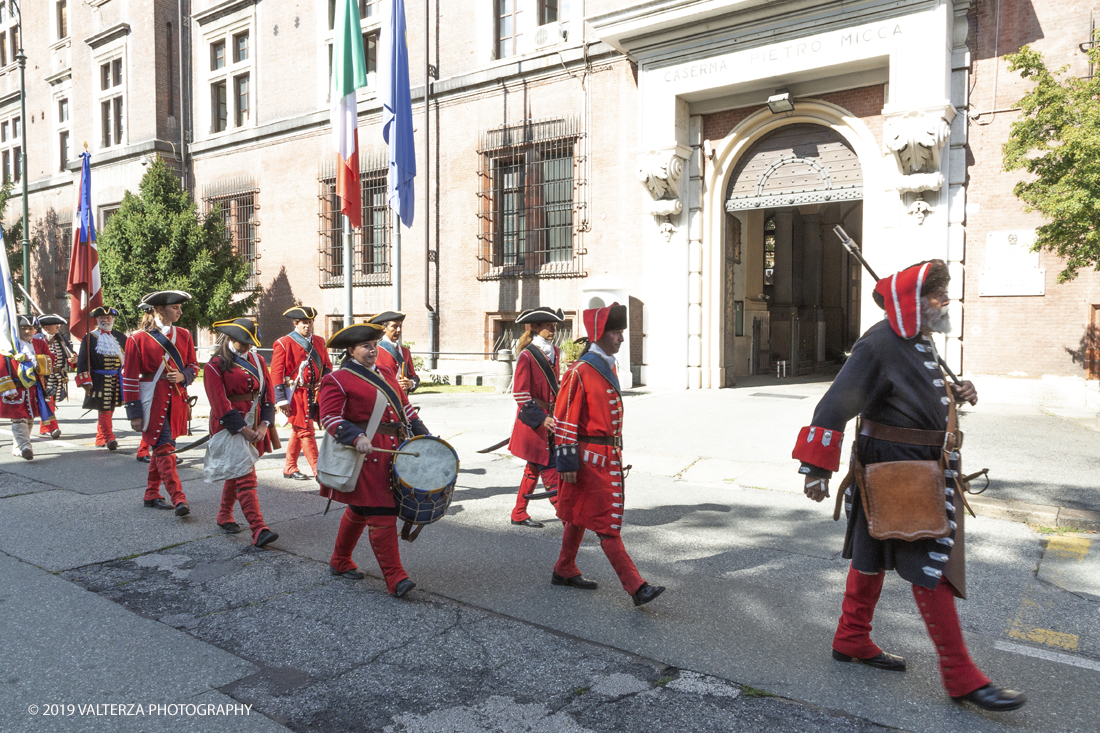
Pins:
x: 349, y: 72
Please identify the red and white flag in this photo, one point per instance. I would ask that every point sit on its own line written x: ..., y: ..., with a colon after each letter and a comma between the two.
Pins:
x: 84, y: 283
x: 349, y: 72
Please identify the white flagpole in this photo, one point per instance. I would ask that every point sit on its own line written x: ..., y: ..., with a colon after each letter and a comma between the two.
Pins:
x: 349, y: 274
x: 396, y: 261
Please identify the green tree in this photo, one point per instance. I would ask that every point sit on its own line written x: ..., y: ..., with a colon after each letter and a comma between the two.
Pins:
x: 13, y: 235
x: 158, y: 241
x: 1057, y: 141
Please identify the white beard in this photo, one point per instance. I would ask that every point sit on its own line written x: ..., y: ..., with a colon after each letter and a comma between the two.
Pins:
x: 937, y: 320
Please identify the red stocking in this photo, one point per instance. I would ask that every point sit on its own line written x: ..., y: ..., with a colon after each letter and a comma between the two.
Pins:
x: 570, y: 542
x: 250, y: 504
x: 527, y: 485
x: 166, y: 464
x: 229, y: 498
x: 293, y: 450
x: 853, y: 633
x: 104, y: 432
x: 152, y: 484
x: 383, y: 540
x: 309, y: 447
x: 624, y: 567
x: 351, y: 529
x: 143, y: 449
x: 960, y: 675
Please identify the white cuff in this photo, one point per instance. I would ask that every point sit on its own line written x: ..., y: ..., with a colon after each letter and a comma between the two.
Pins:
x: 10, y: 393
x: 282, y: 403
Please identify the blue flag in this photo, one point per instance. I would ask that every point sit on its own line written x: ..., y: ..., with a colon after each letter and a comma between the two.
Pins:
x: 397, y: 123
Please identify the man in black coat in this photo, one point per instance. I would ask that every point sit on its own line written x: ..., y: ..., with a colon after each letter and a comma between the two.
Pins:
x: 894, y: 380
x: 99, y: 372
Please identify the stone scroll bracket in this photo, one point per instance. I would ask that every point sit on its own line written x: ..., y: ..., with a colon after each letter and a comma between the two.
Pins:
x: 916, y: 138
x: 661, y: 171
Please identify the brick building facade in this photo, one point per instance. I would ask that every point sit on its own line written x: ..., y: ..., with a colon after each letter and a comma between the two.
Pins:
x: 582, y: 152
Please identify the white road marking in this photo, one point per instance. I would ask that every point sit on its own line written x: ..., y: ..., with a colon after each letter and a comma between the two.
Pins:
x: 1027, y: 651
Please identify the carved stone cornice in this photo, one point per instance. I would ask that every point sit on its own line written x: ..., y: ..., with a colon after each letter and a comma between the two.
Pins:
x: 916, y: 138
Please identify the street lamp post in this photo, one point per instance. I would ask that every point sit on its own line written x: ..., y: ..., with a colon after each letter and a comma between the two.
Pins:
x: 22, y: 59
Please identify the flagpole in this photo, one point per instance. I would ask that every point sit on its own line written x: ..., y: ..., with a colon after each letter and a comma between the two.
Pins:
x: 396, y: 260
x: 349, y: 269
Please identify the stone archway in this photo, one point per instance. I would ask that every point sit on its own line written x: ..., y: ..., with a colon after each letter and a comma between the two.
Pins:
x: 749, y: 169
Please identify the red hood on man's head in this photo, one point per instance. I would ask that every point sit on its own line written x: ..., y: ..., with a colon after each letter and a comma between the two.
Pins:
x: 899, y: 295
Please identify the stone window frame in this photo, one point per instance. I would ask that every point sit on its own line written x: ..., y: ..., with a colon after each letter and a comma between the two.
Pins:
x: 226, y: 30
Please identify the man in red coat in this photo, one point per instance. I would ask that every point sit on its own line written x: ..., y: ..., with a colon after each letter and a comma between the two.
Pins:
x: 349, y: 397
x: 535, y: 387
x: 242, y: 402
x: 298, y: 361
x: 392, y: 354
x: 159, y: 364
x: 22, y: 388
x: 588, y: 425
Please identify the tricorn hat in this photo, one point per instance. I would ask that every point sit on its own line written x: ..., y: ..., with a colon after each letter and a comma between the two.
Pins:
x: 104, y: 310
x: 540, y: 315
x: 301, y: 313
x: 356, y: 333
x: 240, y: 329
x: 25, y: 322
x: 166, y: 297
x: 899, y: 295
x: 598, y: 321
x: 51, y: 319
x: 386, y: 316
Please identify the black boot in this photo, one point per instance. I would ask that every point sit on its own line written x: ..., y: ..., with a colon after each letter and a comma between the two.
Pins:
x: 993, y: 698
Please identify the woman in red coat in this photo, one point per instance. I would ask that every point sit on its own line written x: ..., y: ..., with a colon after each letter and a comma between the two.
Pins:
x: 535, y: 387
x: 242, y: 401
x: 348, y: 397
x: 588, y: 423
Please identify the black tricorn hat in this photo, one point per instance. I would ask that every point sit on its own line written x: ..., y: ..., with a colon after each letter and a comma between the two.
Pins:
x: 25, y: 322
x: 240, y: 329
x: 51, y: 319
x: 541, y: 314
x: 166, y: 297
x: 356, y: 333
x: 104, y: 310
x: 386, y: 316
x: 301, y: 313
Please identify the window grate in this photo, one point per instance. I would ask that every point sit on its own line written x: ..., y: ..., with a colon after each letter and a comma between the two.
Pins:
x: 234, y: 200
x: 371, y: 244
x: 531, y: 178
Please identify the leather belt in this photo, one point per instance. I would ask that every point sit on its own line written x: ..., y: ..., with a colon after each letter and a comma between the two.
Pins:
x: 613, y: 440
x: 911, y: 436
x: 394, y: 429
x: 243, y: 397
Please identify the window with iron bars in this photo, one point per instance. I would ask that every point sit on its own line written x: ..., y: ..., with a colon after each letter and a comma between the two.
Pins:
x: 530, y: 204
x: 235, y: 202
x: 64, y: 252
x: 370, y: 244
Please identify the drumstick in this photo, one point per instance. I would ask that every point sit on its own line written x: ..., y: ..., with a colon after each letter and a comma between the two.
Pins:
x: 395, y: 452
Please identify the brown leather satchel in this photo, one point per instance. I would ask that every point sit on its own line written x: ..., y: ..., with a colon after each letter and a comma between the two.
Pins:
x: 906, y: 500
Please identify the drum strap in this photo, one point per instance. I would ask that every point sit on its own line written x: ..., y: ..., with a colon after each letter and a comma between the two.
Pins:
x: 410, y: 536
x: 380, y: 403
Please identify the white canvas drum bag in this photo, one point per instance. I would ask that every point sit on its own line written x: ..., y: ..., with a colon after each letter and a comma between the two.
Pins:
x: 338, y: 465
x: 231, y: 456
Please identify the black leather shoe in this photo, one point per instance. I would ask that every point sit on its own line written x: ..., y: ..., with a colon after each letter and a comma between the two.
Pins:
x: 27, y: 454
x: 993, y: 698
x: 350, y: 574
x: 647, y: 593
x: 55, y: 434
x: 112, y: 445
x: 158, y: 504
x: 296, y: 476
x: 143, y: 459
x: 882, y: 660
x: 230, y: 527
x: 182, y: 510
x: 577, y: 581
x: 528, y: 523
x: 266, y: 536
x: 402, y: 587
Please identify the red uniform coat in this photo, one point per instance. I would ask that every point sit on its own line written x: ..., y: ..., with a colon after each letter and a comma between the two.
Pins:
x: 286, y: 359
x: 226, y: 414
x: 529, y: 436
x: 589, y: 404
x: 143, y: 358
x: 405, y: 369
x: 23, y: 405
x: 347, y: 398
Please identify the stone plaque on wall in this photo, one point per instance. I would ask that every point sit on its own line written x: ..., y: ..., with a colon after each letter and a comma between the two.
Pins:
x: 1011, y: 268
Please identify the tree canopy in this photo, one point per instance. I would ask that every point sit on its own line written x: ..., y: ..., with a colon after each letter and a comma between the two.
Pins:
x: 1057, y: 141
x: 158, y: 241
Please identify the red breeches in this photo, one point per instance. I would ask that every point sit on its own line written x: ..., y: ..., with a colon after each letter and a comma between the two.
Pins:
x: 104, y: 427
x: 853, y: 632
x: 529, y: 484
x: 613, y: 548
x: 960, y: 675
x: 382, y: 535
x: 301, y: 440
x: 162, y: 468
x: 570, y: 542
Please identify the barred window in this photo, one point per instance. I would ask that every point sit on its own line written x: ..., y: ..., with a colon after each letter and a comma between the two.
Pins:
x: 234, y: 200
x: 371, y: 244
x: 531, y: 174
x: 64, y: 234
